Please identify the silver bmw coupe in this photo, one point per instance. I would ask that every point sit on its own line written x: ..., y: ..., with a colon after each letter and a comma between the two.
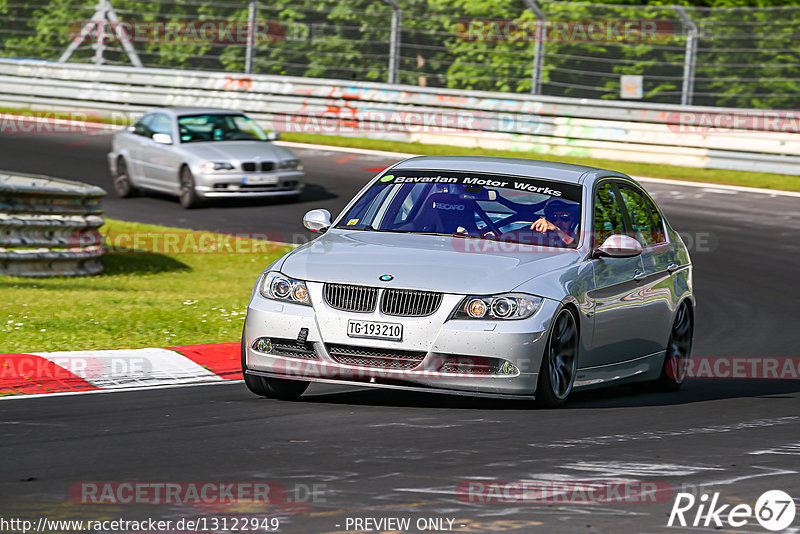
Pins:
x: 499, y: 277
x: 202, y: 153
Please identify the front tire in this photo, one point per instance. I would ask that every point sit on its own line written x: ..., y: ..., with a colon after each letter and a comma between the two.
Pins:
x: 188, y: 195
x: 122, y: 180
x: 272, y: 388
x: 560, y: 361
x: 679, y: 348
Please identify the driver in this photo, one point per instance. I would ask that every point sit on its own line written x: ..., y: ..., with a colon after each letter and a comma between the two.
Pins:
x: 221, y: 131
x: 559, y: 217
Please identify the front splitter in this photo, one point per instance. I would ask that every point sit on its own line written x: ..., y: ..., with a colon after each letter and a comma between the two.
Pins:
x: 383, y: 385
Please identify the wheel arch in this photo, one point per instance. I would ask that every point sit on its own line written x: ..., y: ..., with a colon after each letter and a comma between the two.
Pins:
x: 689, y: 301
x: 123, y: 155
x: 574, y: 305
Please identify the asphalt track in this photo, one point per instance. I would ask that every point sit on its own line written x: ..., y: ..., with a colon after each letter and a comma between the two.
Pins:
x: 385, y: 454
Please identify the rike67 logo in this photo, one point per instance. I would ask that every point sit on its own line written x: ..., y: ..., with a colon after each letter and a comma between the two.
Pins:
x: 774, y: 510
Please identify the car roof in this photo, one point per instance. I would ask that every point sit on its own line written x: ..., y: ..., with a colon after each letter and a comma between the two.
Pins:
x: 553, y: 170
x: 181, y: 111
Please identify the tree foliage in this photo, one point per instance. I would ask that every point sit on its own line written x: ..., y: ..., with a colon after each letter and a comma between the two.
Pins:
x: 745, y: 57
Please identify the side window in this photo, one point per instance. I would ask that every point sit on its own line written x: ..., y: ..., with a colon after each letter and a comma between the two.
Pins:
x: 608, y: 218
x: 642, y: 224
x: 659, y: 236
x: 143, y: 126
x: 161, y: 124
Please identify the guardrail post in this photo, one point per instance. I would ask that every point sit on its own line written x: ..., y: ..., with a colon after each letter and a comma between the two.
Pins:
x: 538, y: 47
x: 690, y: 56
x: 394, y: 41
x: 252, y: 14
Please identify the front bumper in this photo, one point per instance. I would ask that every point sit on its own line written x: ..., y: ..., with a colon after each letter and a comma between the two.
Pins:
x: 112, y: 162
x: 232, y: 185
x: 520, y: 342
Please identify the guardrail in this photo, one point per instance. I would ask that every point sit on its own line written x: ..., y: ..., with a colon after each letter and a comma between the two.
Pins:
x: 748, y: 140
x: 49, y: 226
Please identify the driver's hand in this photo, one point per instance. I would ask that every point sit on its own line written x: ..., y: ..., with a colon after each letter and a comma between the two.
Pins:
x: 543, y: 225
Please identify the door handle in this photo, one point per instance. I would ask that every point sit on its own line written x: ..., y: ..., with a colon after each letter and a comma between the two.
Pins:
x: 638, y: 276
x: 671, y: 268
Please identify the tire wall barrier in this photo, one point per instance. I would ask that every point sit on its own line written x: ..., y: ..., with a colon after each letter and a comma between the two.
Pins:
x: 49, y: 226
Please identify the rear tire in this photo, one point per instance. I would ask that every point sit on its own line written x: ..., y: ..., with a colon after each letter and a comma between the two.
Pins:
x: 272, y: 388
x: 122, y: 180
x: 679, y: 348
x: 560, y: 361
x: 188, y: 195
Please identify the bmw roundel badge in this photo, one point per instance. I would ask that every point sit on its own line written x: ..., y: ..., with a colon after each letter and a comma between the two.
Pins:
x: 385, y: 277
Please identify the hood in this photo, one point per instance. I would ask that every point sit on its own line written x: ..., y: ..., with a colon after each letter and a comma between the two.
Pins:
x: 436, y: 263
x: 237, y: 151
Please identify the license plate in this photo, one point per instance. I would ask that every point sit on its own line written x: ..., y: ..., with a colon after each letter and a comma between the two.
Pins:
x: 259, y: 180
x: 375, y: 330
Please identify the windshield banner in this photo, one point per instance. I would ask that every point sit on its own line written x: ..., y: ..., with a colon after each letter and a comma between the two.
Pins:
x: 481, y: 180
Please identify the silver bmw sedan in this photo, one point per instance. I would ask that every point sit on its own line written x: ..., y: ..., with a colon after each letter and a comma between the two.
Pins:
x: 498, y: 277
x: 202, y: 153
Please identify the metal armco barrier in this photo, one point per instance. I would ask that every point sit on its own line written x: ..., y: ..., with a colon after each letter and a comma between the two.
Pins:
x: 747, y: 140
x: 49, y: 226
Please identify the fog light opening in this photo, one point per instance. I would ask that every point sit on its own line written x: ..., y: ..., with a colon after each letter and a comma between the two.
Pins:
x: 263, y: 344
x: 508, y: 368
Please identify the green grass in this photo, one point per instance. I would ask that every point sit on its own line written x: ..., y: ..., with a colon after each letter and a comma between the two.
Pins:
x: 141, y: 300
x: 713, y: 176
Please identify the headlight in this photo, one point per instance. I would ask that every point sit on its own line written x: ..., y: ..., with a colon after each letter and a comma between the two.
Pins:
x: 506, y: 306
x: 217, y: 166
x: 289, y: 164
x: 279, y: 287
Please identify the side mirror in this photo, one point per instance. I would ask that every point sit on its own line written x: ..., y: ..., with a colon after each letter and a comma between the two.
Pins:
x: 619, y: 246
x: 273, y: 136
x: 162, y: 138
x: 317, y: 220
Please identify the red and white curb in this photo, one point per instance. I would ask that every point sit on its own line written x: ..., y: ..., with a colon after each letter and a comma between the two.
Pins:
x: 47, y: 373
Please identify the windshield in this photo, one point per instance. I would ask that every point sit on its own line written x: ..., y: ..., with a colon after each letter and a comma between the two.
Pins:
x: 520, y: 210
x: 216, y: 127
